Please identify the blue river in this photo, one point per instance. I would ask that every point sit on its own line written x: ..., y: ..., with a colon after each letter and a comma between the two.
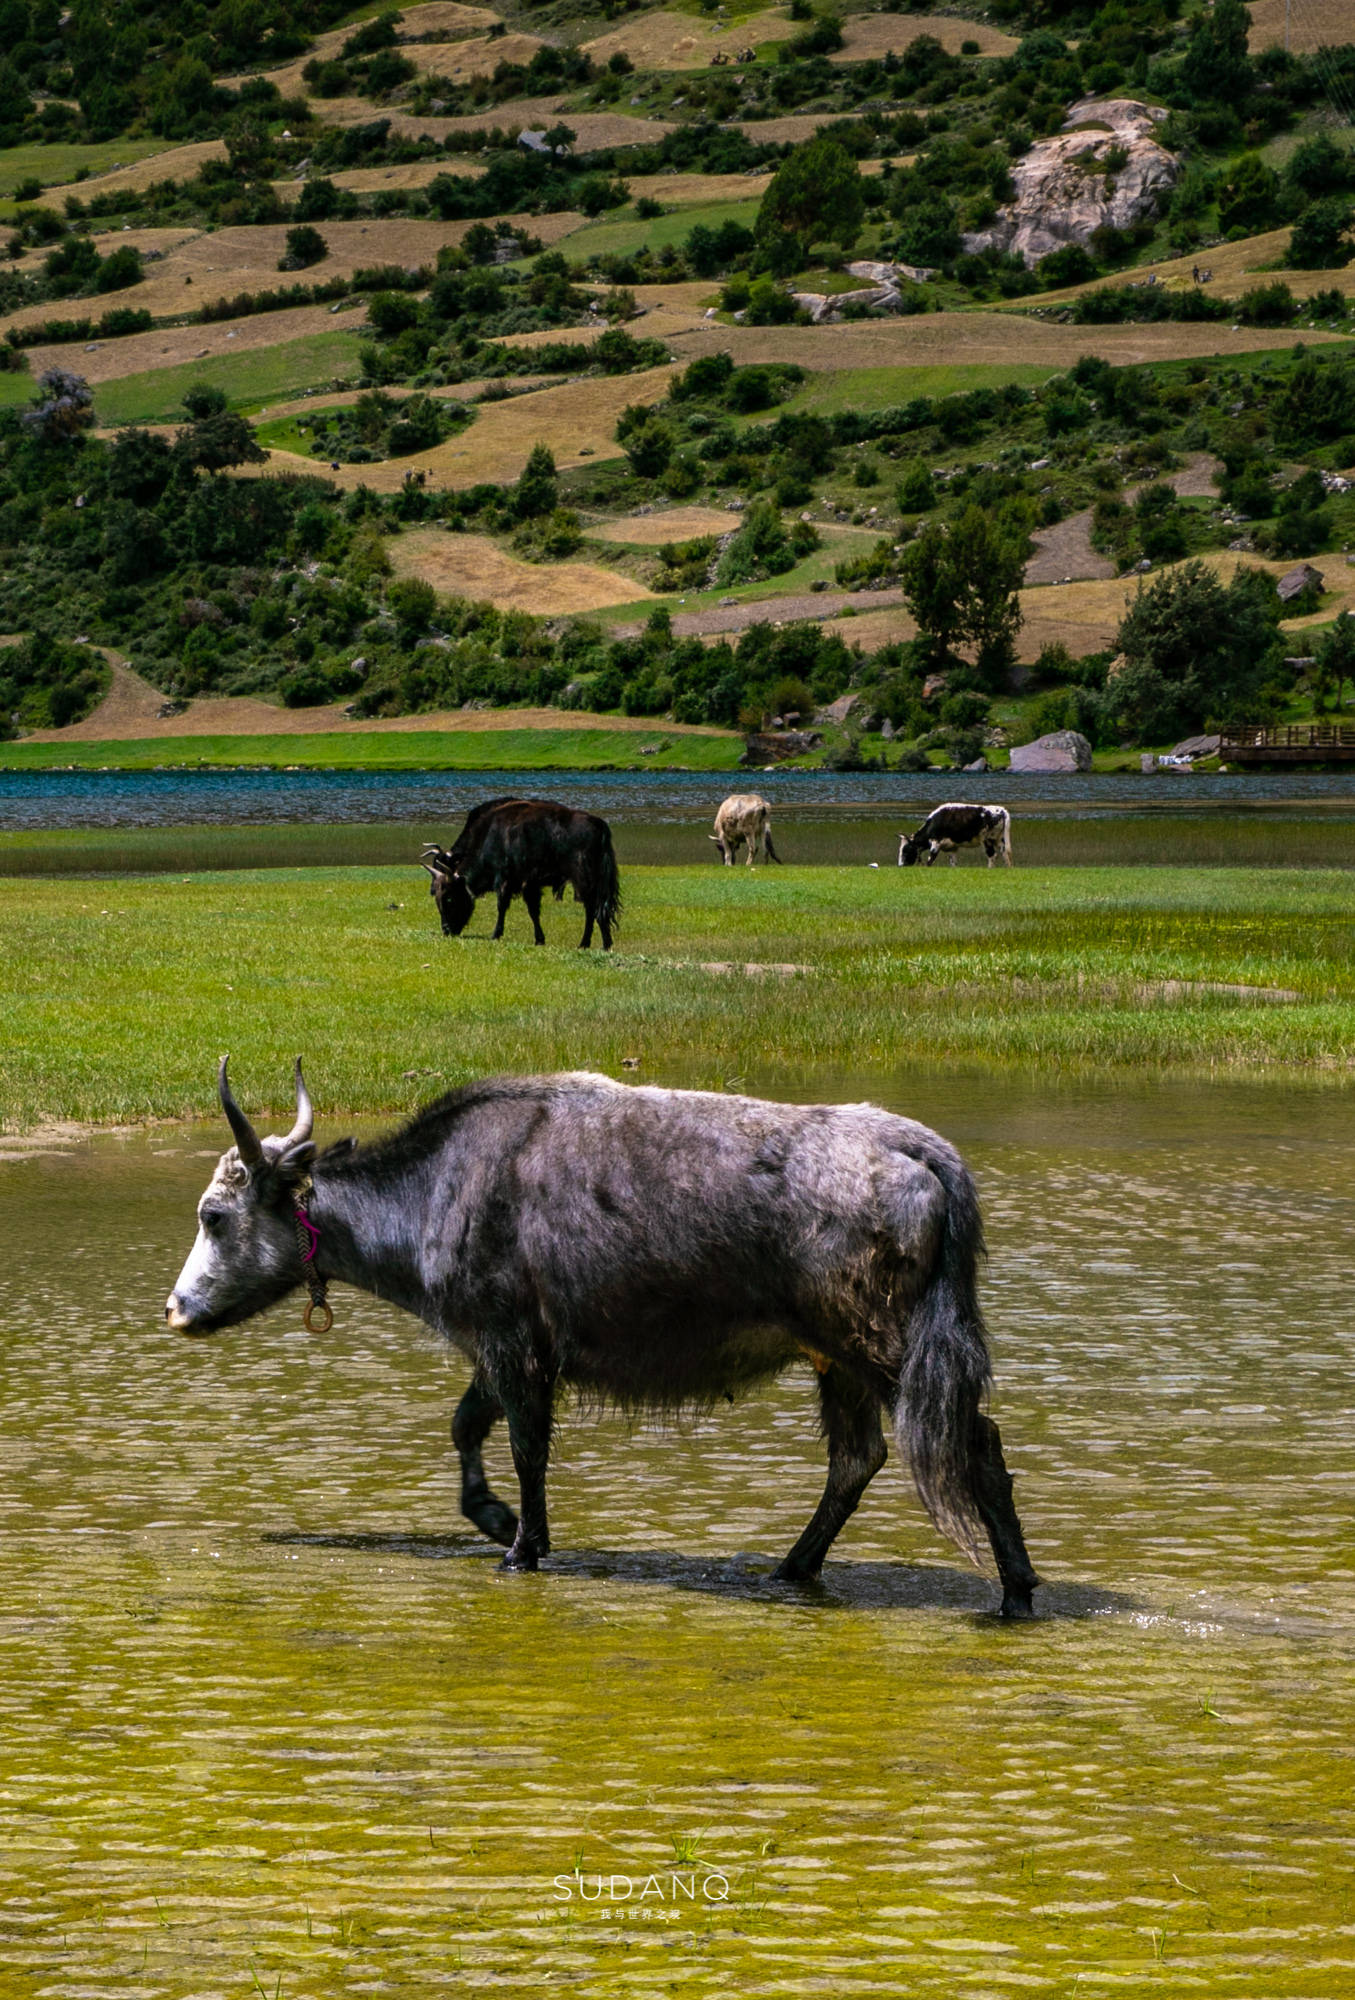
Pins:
x: 39, y: 801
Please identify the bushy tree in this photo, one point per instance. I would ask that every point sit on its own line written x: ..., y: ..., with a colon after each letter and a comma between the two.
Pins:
x: 63, y: 408
x: 816, y: 191
x: 1320, y: 240
x: 47, y: 684
x: 916, y: 491
x: 1248, y: 191
x: 647, y: 440
x: 121, y: 268
x: 305, y: 246
x: 1334, y: 662
x: 960, y: 581
x: 1194, y: 652
x: 537, y: 491
x: 1217, y: 69
x: 413, y: 600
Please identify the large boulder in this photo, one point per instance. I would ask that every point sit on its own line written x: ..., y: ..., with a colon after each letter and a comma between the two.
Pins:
x: 1064, y: 750
x: 1066, y: 191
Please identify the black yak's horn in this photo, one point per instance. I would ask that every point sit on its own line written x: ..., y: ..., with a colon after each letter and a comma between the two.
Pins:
x: 246, y: 1138
x: 305, y: 1113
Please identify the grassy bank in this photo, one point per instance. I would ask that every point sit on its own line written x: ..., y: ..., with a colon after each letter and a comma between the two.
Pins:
x: 580, y: 749
x: 853, y: 837
x: 118, y: 996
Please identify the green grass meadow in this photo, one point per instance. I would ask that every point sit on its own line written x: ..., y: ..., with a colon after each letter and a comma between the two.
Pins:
x: 249, y: 379
x: 627, y: 234
x: 55, y: 165
x: 118, y: 995
x: 827, y: 393
x: 394, y: 750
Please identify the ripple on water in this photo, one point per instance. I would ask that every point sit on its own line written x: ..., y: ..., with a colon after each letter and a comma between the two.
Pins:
x: 269, y: 1713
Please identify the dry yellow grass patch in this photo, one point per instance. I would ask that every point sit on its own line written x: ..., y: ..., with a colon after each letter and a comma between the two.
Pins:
x: 677, y: 190
x: 480, y: 56
x: 660, y: 321
x: 445, y: 19
x: 691, y: 297
x: 523, y: 114
x: 673, y: 524
x: 790, y: 130
x: 199, y: 267
x: 576, y: 419
x: 682, y: 41
x: 370, y: 180
x: 936, y: 339
x: 176, y: 163
x: 1235, y: 268
x: 1085, y: 616
x: 474, y: 566
x: 1316, y: 24
x: 442, y: 19
x: 868, y: 37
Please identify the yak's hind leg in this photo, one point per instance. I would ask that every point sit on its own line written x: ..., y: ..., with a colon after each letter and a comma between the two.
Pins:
x: 526, y: 1389
x: 476, y: 1414
x: 992, y: 1487
x: 850, y: 1416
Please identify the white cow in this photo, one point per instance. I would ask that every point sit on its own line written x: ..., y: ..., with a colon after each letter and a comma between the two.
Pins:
x: 745, y: 817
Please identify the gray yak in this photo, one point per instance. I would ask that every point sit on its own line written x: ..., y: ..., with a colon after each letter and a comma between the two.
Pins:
x: 744, y: 817
x: 656, y: 1249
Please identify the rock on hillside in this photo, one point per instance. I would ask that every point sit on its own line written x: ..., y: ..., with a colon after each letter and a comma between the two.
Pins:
x: 1066, y: 191
x: 1064, y: 750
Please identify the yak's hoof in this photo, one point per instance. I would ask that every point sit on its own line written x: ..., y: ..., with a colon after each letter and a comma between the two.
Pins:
x: 492, y: 1518
x: 1016, y: 1602
x: 795, y: 1572
x: 520, y: 1558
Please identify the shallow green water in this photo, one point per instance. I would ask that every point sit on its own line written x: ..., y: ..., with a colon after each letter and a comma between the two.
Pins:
x: 272, y: 1721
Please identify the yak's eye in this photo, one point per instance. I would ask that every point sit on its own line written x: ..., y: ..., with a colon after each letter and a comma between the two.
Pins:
x: 212, y: 1220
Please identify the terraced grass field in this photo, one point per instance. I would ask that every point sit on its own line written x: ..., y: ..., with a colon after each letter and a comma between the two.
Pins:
x: 250, y: 378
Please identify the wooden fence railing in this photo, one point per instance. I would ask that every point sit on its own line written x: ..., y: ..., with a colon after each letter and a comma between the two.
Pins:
x: 1306, y: 741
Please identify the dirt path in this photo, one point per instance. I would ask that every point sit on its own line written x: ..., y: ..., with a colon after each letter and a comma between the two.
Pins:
x: 774, y: 610
x: 1064, y: 553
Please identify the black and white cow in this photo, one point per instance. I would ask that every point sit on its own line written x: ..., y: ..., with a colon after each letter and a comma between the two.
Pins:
x: 952, y: 826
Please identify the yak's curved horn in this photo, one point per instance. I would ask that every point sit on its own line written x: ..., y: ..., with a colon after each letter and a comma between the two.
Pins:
x: 246, y: 1138
x: 431, y: 869
x: 305, y: 1114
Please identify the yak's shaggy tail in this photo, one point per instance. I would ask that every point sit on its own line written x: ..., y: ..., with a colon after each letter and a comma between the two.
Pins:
x: 946, y: 1370
x: 609, y: 886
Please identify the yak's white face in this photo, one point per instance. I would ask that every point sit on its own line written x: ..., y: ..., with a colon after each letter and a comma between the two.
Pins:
x: 244, y: 1258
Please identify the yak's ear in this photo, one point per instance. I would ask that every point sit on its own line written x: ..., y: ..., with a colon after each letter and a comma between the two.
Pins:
x: 296, y: 1159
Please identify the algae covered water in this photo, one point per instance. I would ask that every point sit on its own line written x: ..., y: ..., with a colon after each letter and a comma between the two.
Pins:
x: 274, y: 1720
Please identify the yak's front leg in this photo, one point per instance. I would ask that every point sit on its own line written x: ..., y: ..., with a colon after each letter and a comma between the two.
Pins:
x: 850, y: 1415
x: 505, y: 897
x: 476, y: 1414
x: 531, y: 896
x: 526, y: 1389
